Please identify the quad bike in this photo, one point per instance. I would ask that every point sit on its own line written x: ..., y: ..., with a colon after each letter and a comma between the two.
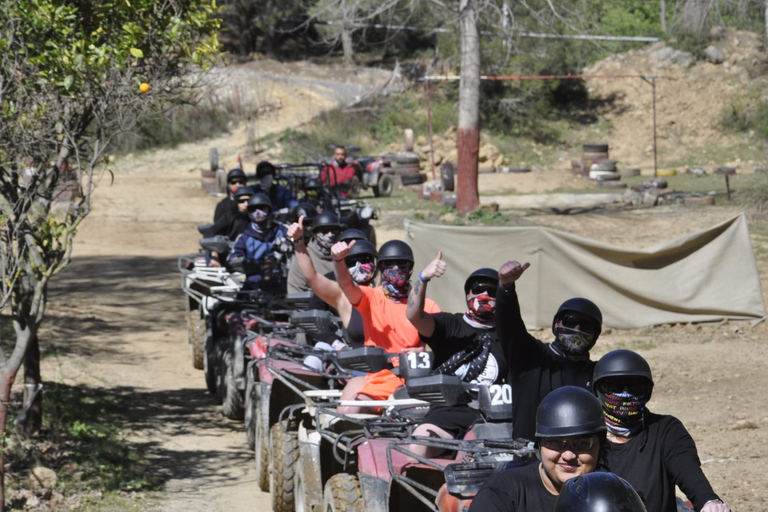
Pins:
x: 370, y: 172
x: 364, y: 462
x: 279, y: 382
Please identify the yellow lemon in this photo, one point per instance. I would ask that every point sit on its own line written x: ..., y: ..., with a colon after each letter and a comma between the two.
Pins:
x: 144, y: 87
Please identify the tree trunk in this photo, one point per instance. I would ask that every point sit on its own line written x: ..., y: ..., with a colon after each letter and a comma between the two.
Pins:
x: 766, y: 20
x: 346, y: 45
x: 346, y: 34
x: 467, y: 199
x: 663, y: 15
x: 6, y: 382
x: 31, y: 418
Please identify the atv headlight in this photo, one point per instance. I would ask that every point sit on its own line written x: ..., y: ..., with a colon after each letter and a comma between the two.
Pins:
x: 366, y: 212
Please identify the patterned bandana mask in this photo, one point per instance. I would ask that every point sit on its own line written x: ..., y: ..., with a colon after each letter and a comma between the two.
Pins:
x: 480, y: 308
x: 325, y: 241
x: 362, y: 272
x: 258, y: 216
x: 474, y: 356
x: 395, y: 283
x: 623, y: 412
x: 572, y: 343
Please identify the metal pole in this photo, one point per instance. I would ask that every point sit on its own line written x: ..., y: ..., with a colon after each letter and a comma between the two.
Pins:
x: 655, y: 147
x: 429, y: 125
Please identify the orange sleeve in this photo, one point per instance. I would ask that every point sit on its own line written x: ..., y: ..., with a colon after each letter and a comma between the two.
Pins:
x: 431, y: 306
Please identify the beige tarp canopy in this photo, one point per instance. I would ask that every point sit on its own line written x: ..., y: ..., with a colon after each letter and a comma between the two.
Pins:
x: 704, y: 277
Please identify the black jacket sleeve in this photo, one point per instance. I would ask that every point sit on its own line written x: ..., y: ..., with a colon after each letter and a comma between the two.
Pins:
x: 519, y: 346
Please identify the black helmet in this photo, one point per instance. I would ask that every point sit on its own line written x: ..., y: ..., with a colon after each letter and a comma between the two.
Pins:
x: 259, y: 200
x: 585, y: 307
x: 622, y: 363
x: 308, y: 210
x: 362, y: 247
x: 235, y: 173
x: 326, y: 220
x: 395, y: 250
x: 598, y: 492
x: 569, y: 411
x: 263, y: 168
x: 352, y: 234
x: 481, y: 274
x: 243, y: 191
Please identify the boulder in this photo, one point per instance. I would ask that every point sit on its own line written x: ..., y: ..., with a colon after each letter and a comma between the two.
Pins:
x: 42, y: 477
x: 667, y: 57
x: 714, y: 55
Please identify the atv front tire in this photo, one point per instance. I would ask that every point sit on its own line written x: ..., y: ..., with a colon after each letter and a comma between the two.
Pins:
x: 261, y: 448
x: 210, y: 364
x: 342, y: 494
x: 196, y: 336
x: 285, y: 455
x: 384, y: 186
x: 231, y: 399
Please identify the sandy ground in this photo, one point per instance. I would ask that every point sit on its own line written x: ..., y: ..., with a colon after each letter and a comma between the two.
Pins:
x: 117, y: 315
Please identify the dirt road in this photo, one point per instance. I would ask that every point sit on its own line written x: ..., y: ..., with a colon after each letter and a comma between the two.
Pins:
x: 116, y: 316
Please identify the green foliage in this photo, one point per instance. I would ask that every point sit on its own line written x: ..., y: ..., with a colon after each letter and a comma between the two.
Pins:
x: 83, y: 440
x: 746, y: 113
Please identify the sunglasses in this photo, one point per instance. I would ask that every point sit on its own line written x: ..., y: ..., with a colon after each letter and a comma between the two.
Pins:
x: 237, y: 182
x: 572, y: 321
x: 637, y: 386
x: 403, y: 264
x: 577, y: 445
x: 243, y: 200
x: 252, y: 209
x: 477, y: 288
x: 351, y: 262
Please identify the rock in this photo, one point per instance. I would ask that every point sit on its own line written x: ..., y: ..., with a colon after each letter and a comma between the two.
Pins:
x: 761, y: 169
x: 745, y: 424
x: 499, y: 161
x: 485, y: 169
x: 717, y: 32
x: 452, y: 156
x: 714, y: 55
x: 41, y: 477
x: 667, y: 57
x: 422, y: 140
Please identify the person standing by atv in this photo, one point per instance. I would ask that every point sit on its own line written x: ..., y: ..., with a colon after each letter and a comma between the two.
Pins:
x: 361, y: 262
x: 464, y: 344
x: 653, y: 452
x: 383, y: 312
x: 230, y: 226
x: 325, y: 232
x: 255, y: 248
x: 537, y: 368
x: 570, y: 434
x: 227, y: 207
x: 279, y: 195
x: 339, y: 171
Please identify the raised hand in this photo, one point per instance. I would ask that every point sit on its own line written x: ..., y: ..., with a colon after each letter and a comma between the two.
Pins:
x: 511, y: 272
x: 340, y: 250
x: 436, y: 267
x: 296, y: 230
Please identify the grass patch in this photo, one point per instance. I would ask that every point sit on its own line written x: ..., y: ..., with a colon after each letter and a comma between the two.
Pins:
x: 83, y: 441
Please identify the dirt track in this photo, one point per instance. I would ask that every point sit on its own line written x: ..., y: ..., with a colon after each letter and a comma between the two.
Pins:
x: 117, y: 316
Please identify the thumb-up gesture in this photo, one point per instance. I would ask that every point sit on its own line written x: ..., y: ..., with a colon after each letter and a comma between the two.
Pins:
x: 340, y: 250
x: 296, y: 230
x: 436, y: 267
x: 511, y: 272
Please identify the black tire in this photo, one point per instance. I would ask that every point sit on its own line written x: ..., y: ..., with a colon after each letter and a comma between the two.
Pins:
x: 384, y: 186
x: 595, y: 147
x: 231, y: 399
x: 285, y: 455
x: 261, y: 450
x: 406, y: 157
x: 413, y: 179
x: 447, y: 172
x: 251, y: 413
x: 213, y: 157
x: 210, y: 365
x: 196, y: 336
x: 342, y: 494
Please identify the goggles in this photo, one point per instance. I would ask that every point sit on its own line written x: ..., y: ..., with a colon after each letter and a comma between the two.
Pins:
x: 478, y: 287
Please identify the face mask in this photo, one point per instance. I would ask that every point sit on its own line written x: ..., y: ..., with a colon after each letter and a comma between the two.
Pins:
x: 258, y: 216
x: 481, y: 308
x: 395, y: 283
x: 623, y: 412
x: 266, y: 182
x: 572, y: 343
x: 362, y: 273
x: 233, y: 187
x: 325, y: 241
